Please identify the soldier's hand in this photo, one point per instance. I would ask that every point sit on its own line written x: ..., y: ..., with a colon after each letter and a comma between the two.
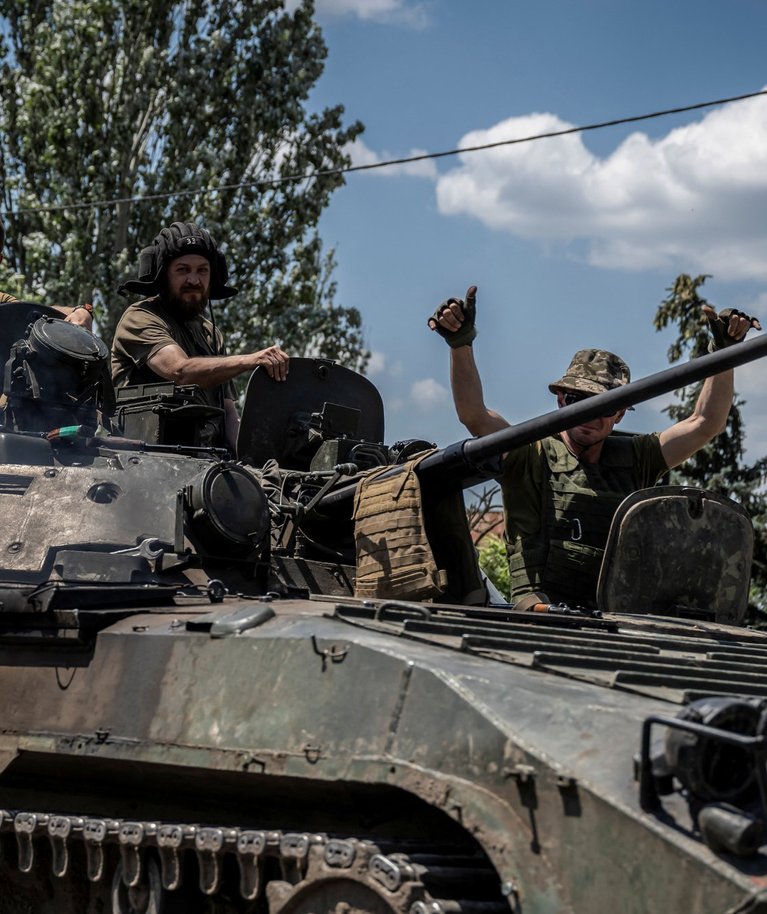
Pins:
x: 728, y: 327
x: 455, y: 319
x: 81, y: 316
x: 274, y: 361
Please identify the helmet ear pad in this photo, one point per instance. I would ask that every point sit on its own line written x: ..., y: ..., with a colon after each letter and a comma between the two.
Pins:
x: 147, y: 264
x: 220, y: 269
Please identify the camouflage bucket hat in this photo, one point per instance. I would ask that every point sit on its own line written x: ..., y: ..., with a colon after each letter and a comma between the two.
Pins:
x: 593, y: 371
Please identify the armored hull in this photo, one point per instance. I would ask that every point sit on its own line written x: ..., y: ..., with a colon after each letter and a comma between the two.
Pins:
x: 300, y: 755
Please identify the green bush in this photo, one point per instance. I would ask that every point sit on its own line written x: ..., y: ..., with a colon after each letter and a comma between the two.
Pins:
x: 495, y: 564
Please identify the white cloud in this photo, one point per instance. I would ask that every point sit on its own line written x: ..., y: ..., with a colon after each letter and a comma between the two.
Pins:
x: 428, y: 393
x: 362, y: 155
x: 697, y: 196
x: 393, y: 12
x: 376, y: 364
x: 381, y: 366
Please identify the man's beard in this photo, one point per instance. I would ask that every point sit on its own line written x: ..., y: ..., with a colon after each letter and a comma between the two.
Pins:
x: 189, y: 308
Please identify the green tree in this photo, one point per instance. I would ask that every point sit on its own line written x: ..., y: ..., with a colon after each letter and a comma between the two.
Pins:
x: 720, y: 466
x: 104, y: 100
x: 494, y: 561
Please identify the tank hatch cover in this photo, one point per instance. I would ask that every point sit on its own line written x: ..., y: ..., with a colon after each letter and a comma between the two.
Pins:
x: 17, y: 316
x: 319, y: 400
x: 67, y: 342
x: 678, y: 551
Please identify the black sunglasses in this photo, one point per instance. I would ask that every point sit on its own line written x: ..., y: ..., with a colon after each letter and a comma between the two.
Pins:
x: 571, y: 398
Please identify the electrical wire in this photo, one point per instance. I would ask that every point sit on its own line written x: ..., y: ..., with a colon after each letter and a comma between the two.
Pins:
x: 322, y: 173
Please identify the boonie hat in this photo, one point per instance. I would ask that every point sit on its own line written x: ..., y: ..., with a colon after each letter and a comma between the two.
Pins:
x: 593, y: 371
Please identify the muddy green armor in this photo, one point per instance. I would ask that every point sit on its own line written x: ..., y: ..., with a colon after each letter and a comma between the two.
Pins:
x: 561, y: 554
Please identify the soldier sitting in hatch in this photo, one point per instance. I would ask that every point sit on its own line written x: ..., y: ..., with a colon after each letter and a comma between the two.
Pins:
x: 166, y: 336
x: 80, y: 314
x: 560, y: 493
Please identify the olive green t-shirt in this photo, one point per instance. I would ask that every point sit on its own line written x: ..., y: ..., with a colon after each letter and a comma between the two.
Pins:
x: 148, y: 326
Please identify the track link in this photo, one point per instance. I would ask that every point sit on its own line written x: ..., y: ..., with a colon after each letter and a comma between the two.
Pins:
x: 290, y: 872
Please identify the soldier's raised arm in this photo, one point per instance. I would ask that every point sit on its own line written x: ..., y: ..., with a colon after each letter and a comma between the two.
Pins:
x: 455, y: 321
x: 709, y: 417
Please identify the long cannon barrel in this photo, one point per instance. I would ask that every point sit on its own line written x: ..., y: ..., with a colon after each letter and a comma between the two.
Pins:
x: 471, y: 453
x: 473, y: 460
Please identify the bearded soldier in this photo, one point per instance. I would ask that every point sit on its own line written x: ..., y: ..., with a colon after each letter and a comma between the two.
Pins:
x: 166, y: 336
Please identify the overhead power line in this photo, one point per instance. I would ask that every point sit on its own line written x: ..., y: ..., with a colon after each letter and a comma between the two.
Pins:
x: 388, y: 163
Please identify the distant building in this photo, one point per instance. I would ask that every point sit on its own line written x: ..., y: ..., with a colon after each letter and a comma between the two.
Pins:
x: 489, y: 524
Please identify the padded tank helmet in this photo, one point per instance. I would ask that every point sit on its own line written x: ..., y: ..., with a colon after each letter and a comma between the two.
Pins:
x: 178, y: 239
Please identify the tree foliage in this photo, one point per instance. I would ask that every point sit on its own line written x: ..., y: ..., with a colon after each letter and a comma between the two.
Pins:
x: 494, y: 561
x: 485, y: 514
x: 105, y: 100
x: 720, y: 466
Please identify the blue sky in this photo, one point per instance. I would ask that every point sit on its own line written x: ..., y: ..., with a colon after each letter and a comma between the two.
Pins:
x: 571, y: 241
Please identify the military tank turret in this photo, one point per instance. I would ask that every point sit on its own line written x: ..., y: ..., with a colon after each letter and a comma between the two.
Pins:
x: 199, y: 715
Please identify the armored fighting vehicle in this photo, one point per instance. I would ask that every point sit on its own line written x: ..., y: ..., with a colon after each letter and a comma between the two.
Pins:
x: 204, y: 710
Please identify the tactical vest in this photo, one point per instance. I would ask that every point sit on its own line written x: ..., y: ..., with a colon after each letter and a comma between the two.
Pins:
x: 195, y: 338
x: 394, y: 557
x: 577, y: 505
